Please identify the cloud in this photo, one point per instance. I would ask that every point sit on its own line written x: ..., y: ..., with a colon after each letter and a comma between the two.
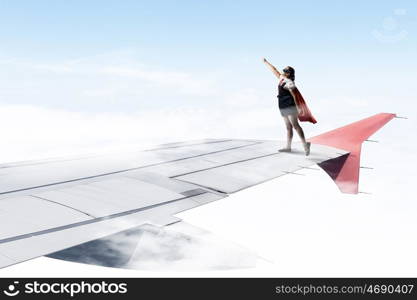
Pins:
x: 183, y: 82
x: 179, y: 247
x: 34, y: 132
x: 116, y: 75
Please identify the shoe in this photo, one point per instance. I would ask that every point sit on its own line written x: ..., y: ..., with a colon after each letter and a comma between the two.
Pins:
x: 307, y: 148
x: 285, y: 150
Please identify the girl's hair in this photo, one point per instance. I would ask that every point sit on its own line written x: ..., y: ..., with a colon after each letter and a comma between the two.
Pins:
x: 290, y: 71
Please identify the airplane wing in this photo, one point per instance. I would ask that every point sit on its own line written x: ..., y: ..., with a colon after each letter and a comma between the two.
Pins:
x: 47, y: 206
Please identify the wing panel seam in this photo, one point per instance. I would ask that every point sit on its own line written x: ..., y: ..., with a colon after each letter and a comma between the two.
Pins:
x: 61, y: 204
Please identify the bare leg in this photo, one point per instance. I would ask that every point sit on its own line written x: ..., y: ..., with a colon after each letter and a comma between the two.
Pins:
x: 294, y: 121
x: 289, y: 135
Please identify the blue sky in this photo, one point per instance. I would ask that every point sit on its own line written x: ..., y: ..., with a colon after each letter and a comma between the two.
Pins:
x: 80, y: 27
x: 217, y: 41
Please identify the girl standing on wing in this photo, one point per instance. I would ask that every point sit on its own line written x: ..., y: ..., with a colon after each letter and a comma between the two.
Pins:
x: 287, y: 105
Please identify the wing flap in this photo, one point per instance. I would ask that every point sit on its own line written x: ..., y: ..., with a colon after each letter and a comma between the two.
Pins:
x: 20, y: 215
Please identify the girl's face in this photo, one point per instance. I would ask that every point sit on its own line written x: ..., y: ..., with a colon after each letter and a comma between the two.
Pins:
x: 286, y: 72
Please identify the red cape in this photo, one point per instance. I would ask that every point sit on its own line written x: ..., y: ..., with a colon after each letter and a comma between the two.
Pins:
x: 304, y: 113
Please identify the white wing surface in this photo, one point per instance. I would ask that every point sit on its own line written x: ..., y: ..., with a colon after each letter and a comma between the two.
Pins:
x: 47, y: 206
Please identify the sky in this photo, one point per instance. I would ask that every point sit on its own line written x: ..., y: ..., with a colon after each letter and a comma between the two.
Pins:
x: 192, y: 69
x: 136, y: 55
x: 82, y: 77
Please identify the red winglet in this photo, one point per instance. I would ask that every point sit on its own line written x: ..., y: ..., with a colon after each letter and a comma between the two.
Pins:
x: 345, y: 169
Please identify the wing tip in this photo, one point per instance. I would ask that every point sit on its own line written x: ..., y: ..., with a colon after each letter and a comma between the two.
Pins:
x: 345, y: 172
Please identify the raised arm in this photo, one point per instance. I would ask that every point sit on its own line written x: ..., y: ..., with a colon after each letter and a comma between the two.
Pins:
x: 274, y: 70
